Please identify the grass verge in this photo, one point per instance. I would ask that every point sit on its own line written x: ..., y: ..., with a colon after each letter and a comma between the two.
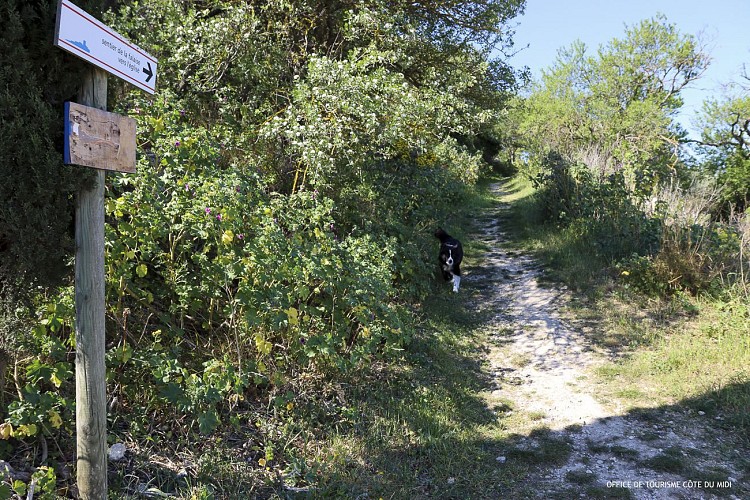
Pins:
x: 689, y: 351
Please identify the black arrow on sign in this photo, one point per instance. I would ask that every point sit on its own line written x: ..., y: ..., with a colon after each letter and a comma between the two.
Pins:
x: 149, y: 72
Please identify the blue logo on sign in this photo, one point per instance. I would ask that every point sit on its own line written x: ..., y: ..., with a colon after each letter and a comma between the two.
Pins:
x: 80, y: 45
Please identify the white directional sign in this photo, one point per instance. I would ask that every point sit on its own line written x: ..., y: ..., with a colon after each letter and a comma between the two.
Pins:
x: 81, y: 34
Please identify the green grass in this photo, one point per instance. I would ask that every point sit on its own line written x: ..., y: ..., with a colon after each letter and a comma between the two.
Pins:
x: 704, y: 365
x: 546, y: 449
x: 568, y: 258
x: 580, y: 477
x: 671, y: 460
x: 693, y: 352
x: 617, y: 450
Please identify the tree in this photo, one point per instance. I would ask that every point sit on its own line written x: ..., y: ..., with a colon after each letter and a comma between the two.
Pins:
x: 250, y: 63
x: 725, y: 144
x: 614, y: 111
x: 36, y: 192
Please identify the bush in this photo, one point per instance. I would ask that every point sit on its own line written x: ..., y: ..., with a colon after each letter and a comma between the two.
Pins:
x: 602, y: 212
x: 36, y: 214
x: 675, y: 247
x: 223, y: 255
x: 218, y: 287
x: 694, y: 259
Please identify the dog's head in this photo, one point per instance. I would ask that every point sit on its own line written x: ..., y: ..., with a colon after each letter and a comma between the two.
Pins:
x: 441, y: 234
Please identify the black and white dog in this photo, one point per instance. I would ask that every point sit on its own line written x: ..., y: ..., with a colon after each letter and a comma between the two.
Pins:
x: 450, y: 257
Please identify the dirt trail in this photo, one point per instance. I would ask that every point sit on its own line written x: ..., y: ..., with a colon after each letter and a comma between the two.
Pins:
x: 541, y: 367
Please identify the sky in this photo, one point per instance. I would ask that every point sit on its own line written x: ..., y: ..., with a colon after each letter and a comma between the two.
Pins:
x: 548, y: 25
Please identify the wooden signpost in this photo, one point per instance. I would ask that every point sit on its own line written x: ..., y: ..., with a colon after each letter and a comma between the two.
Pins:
x: 91, y: 384
x: 104, y: 141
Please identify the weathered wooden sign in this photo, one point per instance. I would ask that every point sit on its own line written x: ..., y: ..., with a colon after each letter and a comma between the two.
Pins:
x: 96, y: 138
x: 88, y: 38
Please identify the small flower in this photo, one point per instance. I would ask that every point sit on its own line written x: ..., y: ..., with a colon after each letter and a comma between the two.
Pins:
x: 177, y: 144
x: 182, y: 112
x: 187, y: 187
x: 241, y: 236
x: 218, y: 217
x: 208, y: 210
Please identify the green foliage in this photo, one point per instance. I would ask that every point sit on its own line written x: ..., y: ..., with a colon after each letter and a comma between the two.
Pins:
x: 37, y: 189
x: 613, y: 111
x: 599, y: 140
x: 45, y: 405
x: 206, y: 245
x: 696, y: 259
x: 725, y: 142
x: 348, y: 113
x: 292, y: 168
x: 43, y: 481
x: 650, y: 252
x: 601, y: 213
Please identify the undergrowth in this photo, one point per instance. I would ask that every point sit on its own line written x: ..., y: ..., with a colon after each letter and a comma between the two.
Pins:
x: 688, y: 346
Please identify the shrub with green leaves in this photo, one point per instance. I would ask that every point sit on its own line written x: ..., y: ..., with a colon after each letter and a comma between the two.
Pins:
x: 602, y: 212
x: 45, y: 387
x: 292, y: 168
x: 234, y: 268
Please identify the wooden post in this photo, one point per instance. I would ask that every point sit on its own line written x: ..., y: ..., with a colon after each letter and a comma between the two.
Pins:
x: 91, y: 404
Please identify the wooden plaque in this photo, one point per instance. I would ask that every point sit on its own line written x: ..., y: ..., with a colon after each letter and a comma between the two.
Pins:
x: 98, y: 139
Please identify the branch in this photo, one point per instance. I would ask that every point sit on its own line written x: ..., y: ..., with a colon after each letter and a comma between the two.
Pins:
x: 721, y: 144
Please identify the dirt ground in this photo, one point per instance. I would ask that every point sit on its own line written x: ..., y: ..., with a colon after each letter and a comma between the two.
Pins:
x: 541, y: 365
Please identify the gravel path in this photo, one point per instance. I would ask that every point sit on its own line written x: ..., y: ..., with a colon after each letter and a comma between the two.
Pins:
x: 541, y: 368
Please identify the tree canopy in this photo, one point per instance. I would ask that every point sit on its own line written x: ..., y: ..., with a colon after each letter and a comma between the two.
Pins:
x: 614, y: 110
x: 725, y: 142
